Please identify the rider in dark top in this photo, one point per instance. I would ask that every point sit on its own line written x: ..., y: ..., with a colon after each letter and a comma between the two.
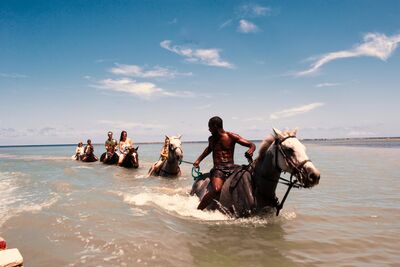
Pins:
x: 222, y: 145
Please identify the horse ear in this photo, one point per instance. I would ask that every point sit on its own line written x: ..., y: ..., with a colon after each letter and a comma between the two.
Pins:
x: 179, y: 136
x: 294, y: 132
x: 166, y: 136
x: 278, y: 133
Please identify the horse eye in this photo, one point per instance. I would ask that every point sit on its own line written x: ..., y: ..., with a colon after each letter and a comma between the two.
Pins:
x: 289, y: 150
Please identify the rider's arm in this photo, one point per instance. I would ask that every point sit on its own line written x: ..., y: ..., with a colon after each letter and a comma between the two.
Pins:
x: 205, y: 153
x: 121, y: 147
x: 244, y: 142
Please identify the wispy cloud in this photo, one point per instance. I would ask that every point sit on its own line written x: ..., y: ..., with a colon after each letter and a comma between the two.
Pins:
x: 210, y: 57
x: 137, y: 71
x: 375, y: 45
x: 144, y: 90
x: 327, y: 85
x: 253, y: 10
x: 173, y: 21
x: 246, y: 26
x: 45, y: 131
x: 225, y: 24
x: 294, y: 111
x: 118, y: 124
x: 13, y: 75
x: 203, y: 107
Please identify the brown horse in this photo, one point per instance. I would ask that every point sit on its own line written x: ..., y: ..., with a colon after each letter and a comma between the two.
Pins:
x: 89, y: 156
x: 131, y: 159
x: 251, y: 189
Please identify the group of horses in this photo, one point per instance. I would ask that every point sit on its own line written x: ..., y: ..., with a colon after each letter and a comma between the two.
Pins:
x: 251, y: 188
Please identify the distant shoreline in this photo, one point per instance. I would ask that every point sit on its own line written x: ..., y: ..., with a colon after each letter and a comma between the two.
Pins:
x: 388, y: 139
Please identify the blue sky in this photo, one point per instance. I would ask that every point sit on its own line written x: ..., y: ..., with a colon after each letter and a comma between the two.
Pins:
x: 72, y: 70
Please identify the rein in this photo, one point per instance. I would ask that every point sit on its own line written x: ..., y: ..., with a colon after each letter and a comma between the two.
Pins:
x: 179, y: 163
x: 298, y: 171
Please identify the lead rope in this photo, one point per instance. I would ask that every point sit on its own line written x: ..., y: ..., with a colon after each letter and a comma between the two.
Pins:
x: 196, y: 173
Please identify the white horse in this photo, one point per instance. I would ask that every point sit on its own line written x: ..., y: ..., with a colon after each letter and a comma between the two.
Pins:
x: 170, y: 166
x: 252, y: 189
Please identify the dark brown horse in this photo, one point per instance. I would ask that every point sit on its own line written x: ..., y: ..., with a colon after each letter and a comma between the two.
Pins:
x: 251, y: 189
x: 109, y: 157
x: 89, y: 156
x: 131, y: 159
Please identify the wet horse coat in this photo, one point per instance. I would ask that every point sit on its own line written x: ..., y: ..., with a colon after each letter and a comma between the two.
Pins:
x: 131, y: 159
x: 251, y: 189
x: 170, y: 167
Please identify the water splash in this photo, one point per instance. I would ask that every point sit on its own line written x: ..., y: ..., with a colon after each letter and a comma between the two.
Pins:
x: 182, y: 205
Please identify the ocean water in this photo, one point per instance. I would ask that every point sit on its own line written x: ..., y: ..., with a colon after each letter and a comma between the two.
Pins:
x: 60, y: 212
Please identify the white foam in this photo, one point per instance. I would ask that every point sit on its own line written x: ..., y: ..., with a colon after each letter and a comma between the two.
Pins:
x: 81, y: 167
x: 34, y: 157
x: 185, y: 206
x: 7, y: 213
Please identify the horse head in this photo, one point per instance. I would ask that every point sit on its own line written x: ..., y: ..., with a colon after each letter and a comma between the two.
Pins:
x: 135, y: 156
x: 290, y: 156
x: 175, y: 151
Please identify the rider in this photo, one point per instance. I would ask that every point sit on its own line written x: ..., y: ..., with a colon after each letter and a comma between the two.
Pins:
x: 125, y: 144
x: 89, y: 150
x: 79, y: 151
x: 163, y: 156
x: 222, y: 145
x: 110, y: 143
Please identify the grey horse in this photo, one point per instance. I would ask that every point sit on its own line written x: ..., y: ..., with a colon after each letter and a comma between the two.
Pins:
x: 251, y: 189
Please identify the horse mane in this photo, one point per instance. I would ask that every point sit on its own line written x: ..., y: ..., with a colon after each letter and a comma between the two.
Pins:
x: 265, y: 144
x: 269, y: 140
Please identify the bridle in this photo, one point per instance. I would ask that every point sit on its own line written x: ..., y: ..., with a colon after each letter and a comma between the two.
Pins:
x: 298, y: 171
x: 173, y: 150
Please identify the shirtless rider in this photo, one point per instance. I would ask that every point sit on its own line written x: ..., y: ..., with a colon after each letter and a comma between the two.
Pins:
x: 222, y: 145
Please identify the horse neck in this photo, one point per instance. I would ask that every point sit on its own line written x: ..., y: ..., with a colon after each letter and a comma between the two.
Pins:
x: 266, y: 176
x: 172, y: 163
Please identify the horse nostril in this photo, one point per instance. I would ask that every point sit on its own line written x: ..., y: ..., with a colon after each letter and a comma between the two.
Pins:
x: 314, y: 177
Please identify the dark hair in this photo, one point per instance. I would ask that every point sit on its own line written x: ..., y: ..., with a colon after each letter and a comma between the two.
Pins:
x: 122, y: 133
x: 216, y: 121
x: 109, y: 133
x: 89, y: 141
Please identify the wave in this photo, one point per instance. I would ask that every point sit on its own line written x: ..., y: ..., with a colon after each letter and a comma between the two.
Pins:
x: 8, y: 213
x: 16, y: 200
x: 34, y: 157
x: 185, y: 206
x: 182, y: 205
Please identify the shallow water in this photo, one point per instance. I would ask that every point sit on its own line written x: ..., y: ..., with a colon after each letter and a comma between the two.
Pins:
x: 60, y: 212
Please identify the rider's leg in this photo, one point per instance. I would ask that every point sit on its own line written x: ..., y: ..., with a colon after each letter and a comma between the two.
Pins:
x: 121, y: 159
x: 217, y: 183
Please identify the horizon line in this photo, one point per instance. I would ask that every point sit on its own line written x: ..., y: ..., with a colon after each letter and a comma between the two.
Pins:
x: 193, y: 142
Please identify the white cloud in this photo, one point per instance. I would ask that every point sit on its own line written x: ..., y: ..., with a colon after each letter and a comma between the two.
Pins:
x: 207, y: 106
x: 246, y: 26
x: 375, y: 45
x: 225, y: 24
x: 130, y: 125
x: 173, y: 21
x: 294, y: 111
x: 210, y: 57
x: 356, y: 133
x: 253, y: 10
x: 13, y: 75
x: 145, y: 90
x: 137, y: 71
x: 327, y: 85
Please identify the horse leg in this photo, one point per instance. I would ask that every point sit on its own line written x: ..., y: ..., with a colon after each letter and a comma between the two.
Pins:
x: 217, y: 183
